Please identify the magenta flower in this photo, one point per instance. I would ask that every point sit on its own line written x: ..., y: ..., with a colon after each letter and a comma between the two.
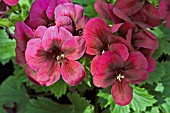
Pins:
x: 71, y: 17
x: 164, y: 10
x: 11, y: 2
x: 141, y: 40
x: 120, y: 69
x: 139, y: 12
x: 57, y: 47
x: 42, y: 13
x: 99, y: 37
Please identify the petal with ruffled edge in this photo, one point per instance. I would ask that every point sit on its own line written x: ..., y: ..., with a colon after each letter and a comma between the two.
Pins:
x: 102, y: 8
x: 72, y: 72
x: 142, y: 39
x: 120, y: 50
x: 11, y: 2
x: 55, y: 37
x: 129, y: 7
x: 31, y: 74
x: 22, y: 34
x: 52, y: 6
x: 71, y: 10
x: 93, y: 65
x: 97, y: 34
x: 151, y: 63
x: 148, y: 16
x: 66, y: 22
x: 122, y: 92
x: 109, y: 62
x: 74, y: 48
x: 136, y: 60
x: 135, y: 76
x: 39, y: 32
x: 49, y: 73
x: 35, y: 54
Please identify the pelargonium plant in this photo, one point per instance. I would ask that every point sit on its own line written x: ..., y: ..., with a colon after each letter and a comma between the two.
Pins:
x: 112, y: 52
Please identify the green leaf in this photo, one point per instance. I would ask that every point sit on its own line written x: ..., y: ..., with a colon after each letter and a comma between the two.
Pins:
x: 80, y: 104
x: 5, y: 22
x: 166, y: 106
x: 166, y: 79
x: 7, y: 47
x: 12, y: 91
x: 120, y: 109
x: 44, y: 105
x: 105, y: 98
x: 155, y: 76
x: 59, y: 88
x: 141, y: 99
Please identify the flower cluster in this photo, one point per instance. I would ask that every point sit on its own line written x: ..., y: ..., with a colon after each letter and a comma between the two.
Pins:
x: 123, y: 53
x: 56, y: 34
x: 50, y: 41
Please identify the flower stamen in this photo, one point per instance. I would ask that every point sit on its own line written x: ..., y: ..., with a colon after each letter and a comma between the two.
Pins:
x: 119, y: 77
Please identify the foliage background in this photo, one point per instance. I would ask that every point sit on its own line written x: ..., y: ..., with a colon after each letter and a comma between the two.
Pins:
x: 19, y: 95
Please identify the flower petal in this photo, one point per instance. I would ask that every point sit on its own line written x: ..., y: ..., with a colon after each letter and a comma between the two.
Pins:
x: 39, y: 32
x: 74, y: 48
x: 49, y: 73
x: 151, y: 63
x: 11, y: 2
x: 129, y: 7
x: 120, y: 50
x: 71, y: 10
x: 102, y: 8
x: 55, y: 37
x: 121, y: 14
x: 142, y: 39
x: 35, y: 54
x: 52, y: 6
x: 96, y: 34
x: 93, y: 65
x: 136, y: 60
x: 66, y: 22
x: 104, y: 80
x: 31, y: 74
x: 22, y: 34
x: 108, y: 63
x: 164, y: 8
x: 122, y: 92
x: 72, y: 72
x: 135, y: 76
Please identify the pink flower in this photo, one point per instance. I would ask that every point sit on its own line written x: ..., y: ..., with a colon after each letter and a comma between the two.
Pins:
x: 119, y: 68
x: 42, y: 13
x: 54, y: 53
x: 164, y: 10
x: 11, y: 2
x: 135, y: 11
x: 99, y: 37
x: 137, y: 39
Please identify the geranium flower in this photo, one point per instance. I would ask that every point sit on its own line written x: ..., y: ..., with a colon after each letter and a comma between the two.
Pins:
x: 137, y: 39
x: 42, y: 13
x: 99, y: 37
x: 11, y: 2
x: 57, y: 47
x: 164, y: 10
x: 119, y: 71
x: 139, y: 12
x: 71, y: 15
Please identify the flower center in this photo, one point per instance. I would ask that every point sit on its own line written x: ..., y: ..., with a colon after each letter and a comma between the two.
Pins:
x: 60, y: 57
x: 119, y: 77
